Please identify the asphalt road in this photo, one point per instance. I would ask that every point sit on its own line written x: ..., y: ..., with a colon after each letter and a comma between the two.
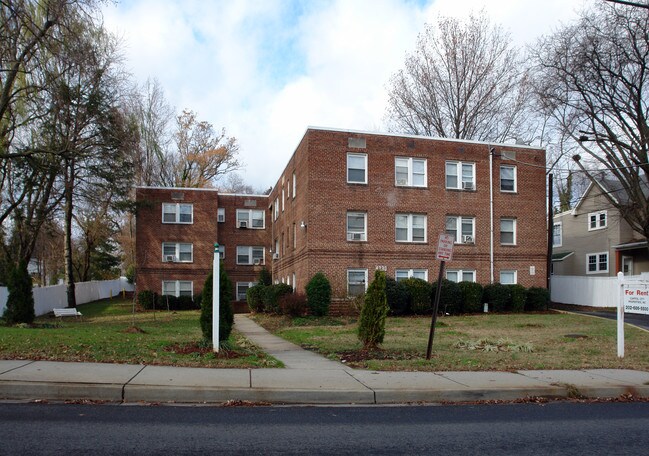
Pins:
x: 506, y: 429
x: 639, y: 320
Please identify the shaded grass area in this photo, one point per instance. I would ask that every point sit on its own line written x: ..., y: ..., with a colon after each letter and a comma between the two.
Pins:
x: 473, y: 343
x: 109, y: 332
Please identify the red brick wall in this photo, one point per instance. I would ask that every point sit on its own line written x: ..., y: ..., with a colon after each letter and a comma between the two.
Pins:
x: 320, y: 161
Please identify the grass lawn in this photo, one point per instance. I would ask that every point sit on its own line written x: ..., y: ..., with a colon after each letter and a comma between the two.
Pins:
x: 110, y: 333
x: 477, y: 342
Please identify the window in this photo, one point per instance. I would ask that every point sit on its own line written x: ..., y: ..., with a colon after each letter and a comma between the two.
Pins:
x: 410, y: 228
x: 250, y: 218
x: 410, y: 172
x: 460, y: 275
x: 283, y: 193
x: 597, y: 220
x: 557, y: 239
x: 356, y: 226
x: 294, y: 185
x: 508, y: 231
x: 402, y: 274
x: 508, y: 277
x: 294, y: 284
x: 221, y: 251
x: 460, y: 175
x: 220, y: 215
x: 461, y: 228
x: 177, y: 252
x: 357, y: 168
x: 177, y: 213
x: 250, y: 255
x: 596, y: 263
x: 356, y: 281
x: 294, y: 236
x: 242, y: 288
x: 507, y: 178
x: 178, y: 288
x: 276, y: 208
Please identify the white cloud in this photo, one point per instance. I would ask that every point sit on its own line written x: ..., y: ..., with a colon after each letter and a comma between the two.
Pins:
x: 266, y: 70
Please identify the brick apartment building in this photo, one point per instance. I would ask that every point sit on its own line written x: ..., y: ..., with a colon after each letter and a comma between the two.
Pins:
x: 349, y: 203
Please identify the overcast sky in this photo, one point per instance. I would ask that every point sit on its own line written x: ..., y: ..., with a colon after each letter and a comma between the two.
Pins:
x: 265, y: 70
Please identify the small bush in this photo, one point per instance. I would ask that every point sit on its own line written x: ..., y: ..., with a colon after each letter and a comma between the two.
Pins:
x: 537, y: 299
x: 293, y: 304
x: 264, y: 277
x: 471, y: 297
x: 371, y: 326
x: 517, y: 297
x: 255, y: 298
x: 146, y: 299
x: 418, y: 296
x: 318, y: 295
x: 498, y: 296
x: 397, y: 295
x: 177, y: 303
x: 130, y: 274
x: 271, y: 295
x: 450, y: 300
x: 20, y: 302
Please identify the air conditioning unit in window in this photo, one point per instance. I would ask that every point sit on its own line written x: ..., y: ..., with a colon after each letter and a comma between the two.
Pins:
x: 257, y: 262
x: 468, y: 186
x: 354, y: 236
x: 402, y: 181
x: 467, y: 239
x: 170, y: 258
x: 275, y: 256
x: 242, y: 224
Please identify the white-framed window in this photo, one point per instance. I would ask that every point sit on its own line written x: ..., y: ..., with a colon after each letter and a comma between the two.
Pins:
x: 242, y: 288
x: 276, y: 208
x: 294, y: 236
x: 250, y: 255
x: 356, y: 281
x: 178, y: 288
x: 460, y: 275
x: 597, y: 220
x: 508, y: 231
x: 220, y: 215
x: 221, y: 251
x: 460, y: 175
x: 178, y: 213
x: 410, y: 172
x: 251, y: 218
x: 507, y: 178
x: 402, y: 274
x: 596, y: 263
x: 357, y: 168
x: 294, y: 185
x: 177, y: 252
x: 294, y: 284
x: 461, y: 228
x: 410, y: 227
x: 557, y: 234
x: 508, y: 277
x: 283, y: 198
x: 357, y: 226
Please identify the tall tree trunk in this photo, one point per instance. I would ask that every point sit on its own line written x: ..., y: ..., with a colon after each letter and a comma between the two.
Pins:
x: 69, y: 275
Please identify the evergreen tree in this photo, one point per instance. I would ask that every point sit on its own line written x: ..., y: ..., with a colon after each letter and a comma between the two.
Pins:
x: 20, y: 303
x: 371, y: 327
x: 318, y: 294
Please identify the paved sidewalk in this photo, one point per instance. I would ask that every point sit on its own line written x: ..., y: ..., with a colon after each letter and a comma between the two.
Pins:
x: 308, y: 379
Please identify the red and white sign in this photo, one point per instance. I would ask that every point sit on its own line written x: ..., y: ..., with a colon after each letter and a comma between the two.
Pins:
x: 445, y: 247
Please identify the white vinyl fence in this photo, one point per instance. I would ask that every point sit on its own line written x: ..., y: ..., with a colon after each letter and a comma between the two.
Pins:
x: 54, y: 297
x: 586, y: 291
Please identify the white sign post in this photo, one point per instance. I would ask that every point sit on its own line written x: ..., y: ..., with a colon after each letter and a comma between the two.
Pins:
x: 215, y: 298
x: 620, y: 315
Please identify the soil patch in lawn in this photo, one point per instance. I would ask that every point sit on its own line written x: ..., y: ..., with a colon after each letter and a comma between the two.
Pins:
x: 186, y: 349
x: 360, y: 356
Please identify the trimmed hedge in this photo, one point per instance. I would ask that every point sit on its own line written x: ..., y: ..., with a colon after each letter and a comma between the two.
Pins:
x: 518, y: 295
x: 397, y: 295
x: 498, y: 296
x: 537, y: 298
x: 418, y: 296
x: 318, y: 295
x: 450, y: 299
x: 472, y: 293
x: 271, y: 295
x: 255, y: 297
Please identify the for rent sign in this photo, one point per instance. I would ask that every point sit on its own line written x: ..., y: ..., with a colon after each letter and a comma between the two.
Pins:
x: 636, y: 297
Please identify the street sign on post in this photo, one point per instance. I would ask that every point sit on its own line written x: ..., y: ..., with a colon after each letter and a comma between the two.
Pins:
x: 215, y: 298
x: 444, y: 254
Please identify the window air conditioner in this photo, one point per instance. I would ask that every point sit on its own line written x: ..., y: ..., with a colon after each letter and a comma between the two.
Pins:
x: 402, y: 181
x: 468, y: 186
x: 355, y: 237
x: 275, y: 256
x: 467, y: 239
x: 243, y: 224
x: 257, y: 262
x: 170, y: 258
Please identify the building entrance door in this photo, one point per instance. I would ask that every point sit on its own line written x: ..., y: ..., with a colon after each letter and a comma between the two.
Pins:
x: 627, y: 265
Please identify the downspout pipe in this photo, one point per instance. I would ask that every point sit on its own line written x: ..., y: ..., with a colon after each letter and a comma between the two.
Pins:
x: 492, y: 151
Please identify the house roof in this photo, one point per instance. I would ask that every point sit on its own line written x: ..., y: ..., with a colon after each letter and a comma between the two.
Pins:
x: 556, y: 257
x: 631, y: 245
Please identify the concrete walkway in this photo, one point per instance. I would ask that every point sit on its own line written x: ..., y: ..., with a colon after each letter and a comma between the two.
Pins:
x: 308, y: 379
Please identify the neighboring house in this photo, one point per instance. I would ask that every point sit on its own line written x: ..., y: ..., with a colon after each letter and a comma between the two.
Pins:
x: 592, y: 239
x: 349, y: 203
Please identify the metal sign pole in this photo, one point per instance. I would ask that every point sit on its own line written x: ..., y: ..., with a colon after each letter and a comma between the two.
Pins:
x: 215, y: 298
x: 438, y: 292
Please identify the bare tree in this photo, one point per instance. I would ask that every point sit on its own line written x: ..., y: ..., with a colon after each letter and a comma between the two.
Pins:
x: 464, y: 80
x: 593, y: 78
x: 201, y: 155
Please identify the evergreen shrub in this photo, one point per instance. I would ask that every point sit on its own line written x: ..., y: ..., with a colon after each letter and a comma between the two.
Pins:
x: 418, y: 296
x: 537, y: 299
x: 397, y: 295
x: 272, y: 294
x: 20, y: 302
x: 371, y: 326
x: 255, y: 298
x: 318, y: 295
x: 450, y: 299
x: 518, y: 295
x: 146, y: 299
x: 471, y: 297
x: 498, y: 296
x: 226, y: 314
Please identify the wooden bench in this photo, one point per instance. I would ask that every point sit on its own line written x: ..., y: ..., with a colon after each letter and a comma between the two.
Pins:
x: 68, y: 312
